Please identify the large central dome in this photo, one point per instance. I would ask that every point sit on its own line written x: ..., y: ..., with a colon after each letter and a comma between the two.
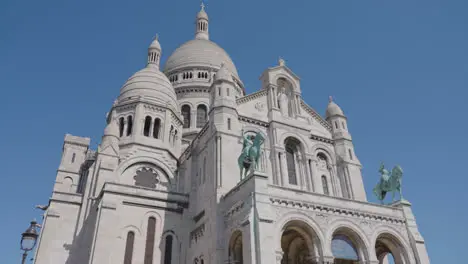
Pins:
x: 199, y: 53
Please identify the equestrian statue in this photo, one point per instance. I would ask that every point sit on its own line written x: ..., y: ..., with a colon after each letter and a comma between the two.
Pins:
x: 251, y: 151
x: 389, y: 182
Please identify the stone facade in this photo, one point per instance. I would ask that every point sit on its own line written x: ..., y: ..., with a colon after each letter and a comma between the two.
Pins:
x: 164, y: 185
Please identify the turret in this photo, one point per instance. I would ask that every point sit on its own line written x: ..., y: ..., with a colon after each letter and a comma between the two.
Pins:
x: 223, y: 111
x: 349, y: 167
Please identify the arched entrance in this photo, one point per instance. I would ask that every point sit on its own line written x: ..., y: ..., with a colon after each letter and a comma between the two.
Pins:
x: 389, y: 250
x: 299, y: 244
x: 347, y: 247
x: 235, y: 248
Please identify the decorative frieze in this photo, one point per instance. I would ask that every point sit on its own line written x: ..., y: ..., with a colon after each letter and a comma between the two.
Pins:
x: 197, y: 233
x: 324, y: 209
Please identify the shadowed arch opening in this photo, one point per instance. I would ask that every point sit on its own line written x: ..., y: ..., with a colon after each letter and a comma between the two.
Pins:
x: 347, y: 247
x: 389, y: 250
x: 236, y: 255
x: 186, y: 114
x: 299, y: 243
x: 292, y: 147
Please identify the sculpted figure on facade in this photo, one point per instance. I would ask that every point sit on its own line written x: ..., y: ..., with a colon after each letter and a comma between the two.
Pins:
x: 283, y: 101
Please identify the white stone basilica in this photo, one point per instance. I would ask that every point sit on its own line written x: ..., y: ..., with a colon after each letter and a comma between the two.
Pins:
x: 164, y: 185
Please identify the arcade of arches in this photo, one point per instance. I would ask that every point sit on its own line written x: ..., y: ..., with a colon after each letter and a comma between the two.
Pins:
x: 301, y: 245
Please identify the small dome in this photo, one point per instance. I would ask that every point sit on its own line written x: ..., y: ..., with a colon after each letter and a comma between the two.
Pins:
x: 155, y: 44
x: 333, y: 109
x: 202, y: 14
x: 199, y: 53
x: 223, y: 74
x: 152, y: 84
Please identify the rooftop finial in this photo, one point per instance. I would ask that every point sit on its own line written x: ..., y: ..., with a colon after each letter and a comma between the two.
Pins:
x: 156, y: 37
x: 201, y: 24
x: 330, y: 99
x: 281, y: 62
x: 202, y: 5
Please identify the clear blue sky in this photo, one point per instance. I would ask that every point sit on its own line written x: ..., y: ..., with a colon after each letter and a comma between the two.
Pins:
x: 399, y: 70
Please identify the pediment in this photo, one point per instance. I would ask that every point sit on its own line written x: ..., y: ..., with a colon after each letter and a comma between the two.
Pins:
x: 254, y: 105
x: 320, y: 126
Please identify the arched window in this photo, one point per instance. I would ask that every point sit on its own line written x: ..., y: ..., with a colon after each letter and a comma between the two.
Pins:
x: 147, y: 127
x: 149, y: 247
x: 292, y: 149
x: 229, y: 123
x: 201, y: 115
x: 325, y: 185
x: 129, y: 248
x: 343, y: 250
x: 156, y: 127
x: 121, y: 126
x: 175, y: 138
x: 235, y: 248
x: 186, y: 115
x: 168, y: 250
x: 129, y: 125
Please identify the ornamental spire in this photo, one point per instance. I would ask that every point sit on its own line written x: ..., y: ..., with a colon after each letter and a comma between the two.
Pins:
x: 201, y: 24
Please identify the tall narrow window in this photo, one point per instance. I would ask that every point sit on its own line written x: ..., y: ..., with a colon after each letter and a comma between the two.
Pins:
x: 336, y: 125
x: 227, y: 91
x: 229, y: 123
x: 292, y: 148
x: 175, y: 137
x: 350, y: 154
x: 149, y: 248
x: 325, y: 185
x: 343, y: 124
x: 186, y: 115
x: 168, y: 250
x: 129, y: 248
x: 121, y: 126
x: 201, y: 115
x: 73, y: 158
x: 156, y: 127
x: 129, y: 125
x: 147, y: 127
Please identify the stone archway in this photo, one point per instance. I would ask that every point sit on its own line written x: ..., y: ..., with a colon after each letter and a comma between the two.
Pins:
x: 299, y: 244
x: 389, y: 250
x: 348, y: 247
x: 236, y: 255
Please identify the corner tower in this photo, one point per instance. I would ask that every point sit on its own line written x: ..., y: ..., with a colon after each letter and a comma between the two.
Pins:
x: 348, y: 164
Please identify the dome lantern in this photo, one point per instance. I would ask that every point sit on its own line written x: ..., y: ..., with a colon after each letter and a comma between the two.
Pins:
x: 154, y: 53
x: 201, y: 24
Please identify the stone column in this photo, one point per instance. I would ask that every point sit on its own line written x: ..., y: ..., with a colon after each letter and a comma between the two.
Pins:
x: 314, y: 177
x: 297, y: 166
x: 151, y: 127
x: 276, y: 160
x: 309, y: 172
x: 193, y: 118
x: 284, y: 170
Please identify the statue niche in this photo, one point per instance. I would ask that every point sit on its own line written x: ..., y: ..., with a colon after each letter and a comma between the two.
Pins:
x: 284, y: 97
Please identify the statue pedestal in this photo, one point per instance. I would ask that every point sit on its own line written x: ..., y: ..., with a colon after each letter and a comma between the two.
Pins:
x: 416, y: 240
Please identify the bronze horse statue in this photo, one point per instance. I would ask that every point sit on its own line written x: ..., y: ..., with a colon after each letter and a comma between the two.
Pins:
x: 389, y: 182
x: 248, y: 159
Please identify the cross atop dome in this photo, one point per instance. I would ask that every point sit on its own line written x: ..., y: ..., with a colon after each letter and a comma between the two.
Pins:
x: 330, y: 99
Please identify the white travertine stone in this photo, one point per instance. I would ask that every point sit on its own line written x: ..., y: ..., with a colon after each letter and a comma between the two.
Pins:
x: 188, y: 179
